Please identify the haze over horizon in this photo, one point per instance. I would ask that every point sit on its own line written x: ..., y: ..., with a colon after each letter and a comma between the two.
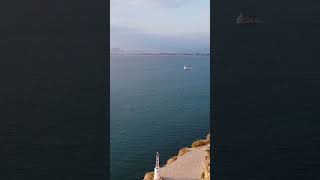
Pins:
x: 171, y: 26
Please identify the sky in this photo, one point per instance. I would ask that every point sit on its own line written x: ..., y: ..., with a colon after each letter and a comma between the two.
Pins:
x: 160, y: 25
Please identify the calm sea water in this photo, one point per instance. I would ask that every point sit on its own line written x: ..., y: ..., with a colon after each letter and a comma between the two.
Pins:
x: 156, y: 105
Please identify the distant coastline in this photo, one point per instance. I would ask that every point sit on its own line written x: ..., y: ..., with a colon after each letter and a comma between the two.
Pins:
x: 194, y: 52
x: 162, y: 54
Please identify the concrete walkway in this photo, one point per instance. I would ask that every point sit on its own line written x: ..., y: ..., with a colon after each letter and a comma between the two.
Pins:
x: 187, y: 167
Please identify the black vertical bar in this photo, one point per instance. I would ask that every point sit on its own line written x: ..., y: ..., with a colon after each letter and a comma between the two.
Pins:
x: 266, y: 90
x: 54, y: 89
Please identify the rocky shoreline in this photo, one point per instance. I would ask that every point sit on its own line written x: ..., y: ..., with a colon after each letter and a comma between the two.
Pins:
x: 190, y: 163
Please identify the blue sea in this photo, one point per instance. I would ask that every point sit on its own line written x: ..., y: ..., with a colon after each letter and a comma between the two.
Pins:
x: 156, y: 105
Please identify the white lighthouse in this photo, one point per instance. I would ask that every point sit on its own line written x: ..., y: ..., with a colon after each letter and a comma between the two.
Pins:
x: 156, y: 168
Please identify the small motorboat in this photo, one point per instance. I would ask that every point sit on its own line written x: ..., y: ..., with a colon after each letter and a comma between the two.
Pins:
x: 187, y: 67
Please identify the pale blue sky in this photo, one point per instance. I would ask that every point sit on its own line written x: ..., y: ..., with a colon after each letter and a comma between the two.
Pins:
x: 160, y: 25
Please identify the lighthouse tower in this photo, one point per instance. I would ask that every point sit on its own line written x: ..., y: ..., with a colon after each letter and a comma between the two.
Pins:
x: 156, y: 168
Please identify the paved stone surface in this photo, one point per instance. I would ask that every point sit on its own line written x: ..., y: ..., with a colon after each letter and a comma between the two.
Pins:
x: 187, y: 167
